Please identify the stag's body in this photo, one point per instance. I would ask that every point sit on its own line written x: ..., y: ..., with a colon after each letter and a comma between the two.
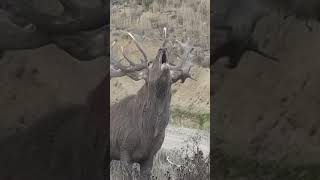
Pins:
x: 138, y: 122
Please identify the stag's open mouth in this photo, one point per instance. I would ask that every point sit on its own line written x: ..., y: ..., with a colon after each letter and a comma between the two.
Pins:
x: 164, y: 58
x: 164, y: 61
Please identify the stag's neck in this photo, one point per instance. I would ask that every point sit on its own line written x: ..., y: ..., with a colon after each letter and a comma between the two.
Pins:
x: 155, y: 107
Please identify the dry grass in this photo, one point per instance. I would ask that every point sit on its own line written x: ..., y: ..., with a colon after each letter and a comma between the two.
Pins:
x: 183, y: 18
x: 190, y: 163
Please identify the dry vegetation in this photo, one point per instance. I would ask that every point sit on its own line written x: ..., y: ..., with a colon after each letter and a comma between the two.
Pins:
x: 186, y: 163
x: 183, y: 19
x: 191, y: 100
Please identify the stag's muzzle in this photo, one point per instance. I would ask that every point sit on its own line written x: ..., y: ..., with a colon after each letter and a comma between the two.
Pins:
x: 164, y: 59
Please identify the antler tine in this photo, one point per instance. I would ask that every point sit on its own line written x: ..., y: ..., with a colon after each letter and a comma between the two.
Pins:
x: 126, y: 57
x: 127, y: 69
x: 118, y: 70
x: 139, y: 47
x: 118, y: 73
x: 186, y: 45
x: 114, y: 72
x: 165, y: 40
x: 183, y: 70
x: 113, y: 43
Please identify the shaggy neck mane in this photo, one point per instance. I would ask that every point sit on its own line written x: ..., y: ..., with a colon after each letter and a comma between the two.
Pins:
x: 153, y: 102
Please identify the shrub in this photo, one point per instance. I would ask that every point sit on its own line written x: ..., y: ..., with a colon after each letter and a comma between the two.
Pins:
x: 193, y: 164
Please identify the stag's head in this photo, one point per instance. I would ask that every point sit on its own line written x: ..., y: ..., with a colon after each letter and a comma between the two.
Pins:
x: 157, y: 70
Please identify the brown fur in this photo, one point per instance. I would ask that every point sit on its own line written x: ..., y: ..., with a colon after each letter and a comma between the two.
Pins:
x: 138, y: 122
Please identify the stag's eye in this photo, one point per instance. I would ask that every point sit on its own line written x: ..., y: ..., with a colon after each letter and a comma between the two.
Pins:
x: 149, y: 63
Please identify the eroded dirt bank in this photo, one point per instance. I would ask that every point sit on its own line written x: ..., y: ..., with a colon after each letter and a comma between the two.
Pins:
x: 270, y: 111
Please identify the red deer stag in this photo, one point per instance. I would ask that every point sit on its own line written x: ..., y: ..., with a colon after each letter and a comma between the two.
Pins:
x: 138, y: 122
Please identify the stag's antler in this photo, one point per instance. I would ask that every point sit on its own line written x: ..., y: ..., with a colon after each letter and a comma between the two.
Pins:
x: 134, y: 71
x: 182, y: 71
x: 139, y: 47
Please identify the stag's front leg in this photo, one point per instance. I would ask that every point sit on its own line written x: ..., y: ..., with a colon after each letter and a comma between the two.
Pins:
x: 126, y: 165
x: 145, y: 169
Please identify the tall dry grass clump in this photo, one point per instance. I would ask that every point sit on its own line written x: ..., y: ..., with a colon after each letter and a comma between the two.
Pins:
x: 182, y: 18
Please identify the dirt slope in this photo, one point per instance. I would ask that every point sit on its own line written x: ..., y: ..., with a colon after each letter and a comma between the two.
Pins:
x: 34, y: 82
x: 269, y: 110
